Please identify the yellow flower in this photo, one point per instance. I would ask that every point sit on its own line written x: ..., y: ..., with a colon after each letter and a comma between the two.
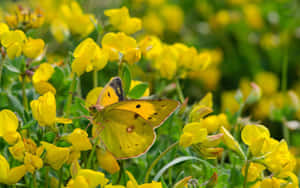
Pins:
x: 13, y: 41
x: 87, y: 179
x: 151, y: 47
x: 268, y: 82
x: 255, y: 171
x: 44, y: 87
x: 44, y: 109
x: 173, y: 16
x: 18, y: 150
x: 8, y: 126
x: 59, y: 30
x: 270, y: 182
x: 137, y: 82
x: 3, y: 29
x: 88, y: 57
x: 107, y: 161
x: 32, y: 162
x: 253, y: 16
x: 92, y: 96
x: 10, y: 176
x: 252, y: 133
x: 229, y: 102
x: 132, y: 183
x: 121, y: 47
x: 192, y: 134
x: 40, y: 79
x: 33, y: 47
x: 166, y: 62
x: 186, y: 56
x: 153, y: 24
x: 55, y: 156
x: 79, y: 23
x: 79, y: 140
x: 231, y: 143
x: 121, y: 20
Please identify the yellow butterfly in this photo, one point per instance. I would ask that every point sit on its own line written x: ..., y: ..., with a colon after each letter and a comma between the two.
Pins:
x: 127, y: 126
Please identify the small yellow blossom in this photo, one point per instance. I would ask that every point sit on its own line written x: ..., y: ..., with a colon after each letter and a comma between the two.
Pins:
x: 10, y: 175
x: 192, y: 134
x: 92, y: 96
x: 253, y: 16
x: 173, y: 16
x: 18, y: 150
x: 268, y: 82
x: 79, y: 140
x: 151, y: 47
x: 3, y: 29
x: 87, y: 179
x: 153, y: 24
x: 121, y: 20
x: 55, y: 156
x: 8, y: 126
x: 59, y: 30
x: 270, y: 182
x: 13, y: 41
x: 88, y: 56
x: 229, y: 102
x: 231, y: 143
x: 121, y: 47
x: 44, y: 109
x: 255, y: 171
x: 33, y: 48
x: 132, y: 183
x: 40, y: 79
x: 32, y: 162
x: 107, y: 161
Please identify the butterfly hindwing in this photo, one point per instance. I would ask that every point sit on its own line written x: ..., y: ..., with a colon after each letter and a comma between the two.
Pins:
x: 126, y: 134
x: 111, y: 93
x: 153, y: 111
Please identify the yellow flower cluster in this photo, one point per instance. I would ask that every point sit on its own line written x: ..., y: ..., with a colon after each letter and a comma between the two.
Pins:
x: 16, y: 42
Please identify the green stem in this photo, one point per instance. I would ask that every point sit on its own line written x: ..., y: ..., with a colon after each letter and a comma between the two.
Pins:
x: 60, y: 177
x: 46, y: 176
x: 88, y: 164
x: 120, y: 68
x: 34, y: 180
x: 179, y: 91
x: 284, y: 78
x: 25, y: 100
x: 120, y: 172
x: 246, y: 173
x: 158, y: 159
x: 70, y: 95
x: 95, y: 78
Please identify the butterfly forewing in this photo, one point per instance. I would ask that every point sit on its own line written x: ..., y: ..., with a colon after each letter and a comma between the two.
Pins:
x: 111, y: 93
x: 153, y: 111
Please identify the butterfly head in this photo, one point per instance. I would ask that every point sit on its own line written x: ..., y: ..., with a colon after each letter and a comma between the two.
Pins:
x: 95, y: 108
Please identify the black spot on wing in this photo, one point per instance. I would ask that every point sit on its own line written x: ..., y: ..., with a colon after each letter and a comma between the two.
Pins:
x: 138, y: 106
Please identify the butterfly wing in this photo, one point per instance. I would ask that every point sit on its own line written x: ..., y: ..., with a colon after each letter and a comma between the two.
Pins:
x: 126, y: 134
x: 153, y: 111
x: 111, y: 93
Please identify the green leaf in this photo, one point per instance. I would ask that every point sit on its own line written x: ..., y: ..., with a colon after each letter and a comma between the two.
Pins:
x: 179, y: 160
x: 164, y: 185
x: 126, y: 78
x: 15, y: 104
x: 11, y: 68
x: 29, y: 124
x: 49, y: 136
x: 138, y: 91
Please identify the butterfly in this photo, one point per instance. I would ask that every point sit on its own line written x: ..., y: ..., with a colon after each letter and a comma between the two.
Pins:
x: 127, y: 126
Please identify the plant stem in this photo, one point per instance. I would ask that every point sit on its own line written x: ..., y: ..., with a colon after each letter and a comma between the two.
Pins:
x: 25, y: 100
x: 88, y: 164
x: 70, y: 95
x: 284, y: 78
x: 157, y: 160
x: 60, y: 177
x: 34, y: 179
x: 246, y: 173
x: 47, y: 177
x: 95, y: 78
x: 179, y: 91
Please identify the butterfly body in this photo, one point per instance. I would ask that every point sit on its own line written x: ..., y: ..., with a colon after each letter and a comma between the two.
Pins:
x: 127, y: 126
